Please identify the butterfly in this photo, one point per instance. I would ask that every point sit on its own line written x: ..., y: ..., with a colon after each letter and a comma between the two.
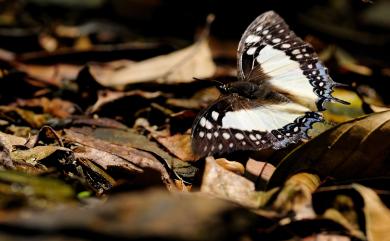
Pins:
x: 282, y: 86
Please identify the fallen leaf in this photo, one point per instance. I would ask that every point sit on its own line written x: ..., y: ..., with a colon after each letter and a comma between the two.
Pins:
x: 36, y: 154
x: 105, y: 159
x: 32, y: 119
x: 36, y: 190
x: 376, y: 213
x: 295, y: 195
x: 260, y: 169
x: 177, y: 67
x: 232, y: 166
x: 179, y: 145
x: 56, y: 107
x: 149, y: 215
x: 106, y: 96
x: 130, y: 139
x: 138, y: 158
x: 55, y: 75
x: 353, y: 150
x: 219, y: 182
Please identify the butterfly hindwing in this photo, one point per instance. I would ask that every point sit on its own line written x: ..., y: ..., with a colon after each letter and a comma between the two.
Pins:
x: 270, y: 51
x: 236, y: 123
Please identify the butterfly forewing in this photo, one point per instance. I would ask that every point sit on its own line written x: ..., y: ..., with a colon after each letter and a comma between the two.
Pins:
x: 270, y: 51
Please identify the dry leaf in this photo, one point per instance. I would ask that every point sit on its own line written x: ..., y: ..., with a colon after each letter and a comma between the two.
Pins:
x: 177, y: 67
x: 231, y: 166
x: 221, y: 183
x: 139, y: 158
x: 107, y: 96
x: 260, y: 169
x: 376, y: 213
x: 129, y: 138
x: 35, y: 154
x: 105, y: 159
x: 56, y: 107
x: 179, y: 145
x: 147, y: 215
x: 353, y: 150
x: 296, y: 195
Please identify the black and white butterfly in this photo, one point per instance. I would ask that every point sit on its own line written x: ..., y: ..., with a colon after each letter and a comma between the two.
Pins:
x: 280, y: 89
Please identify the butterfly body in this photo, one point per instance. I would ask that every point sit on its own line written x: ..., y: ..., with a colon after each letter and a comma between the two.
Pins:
x: 280, y: 89
x: 246, y: 89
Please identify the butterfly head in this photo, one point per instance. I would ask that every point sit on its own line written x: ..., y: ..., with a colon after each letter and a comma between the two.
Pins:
x: 224, y: 88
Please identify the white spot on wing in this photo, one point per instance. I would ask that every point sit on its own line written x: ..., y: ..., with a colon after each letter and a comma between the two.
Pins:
x: 286, y: 46
x: 276, y: 40
x: 201, y: 134
x: 226, y: 135
x: 209, y: 125
x: 295, y: 51
x: 252, y: 39
x: 239, y: 136
x: 220, y: 146
x: 251, y: 50
x: 208, y: 136
x: 203, y: 121
x: 214, y: 115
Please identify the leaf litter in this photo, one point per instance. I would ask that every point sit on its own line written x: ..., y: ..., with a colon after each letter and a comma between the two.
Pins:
x: 95, y: 138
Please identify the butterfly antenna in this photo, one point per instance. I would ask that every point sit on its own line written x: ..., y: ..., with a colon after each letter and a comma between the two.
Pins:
x: 334, y: 99
x: 217, y: 81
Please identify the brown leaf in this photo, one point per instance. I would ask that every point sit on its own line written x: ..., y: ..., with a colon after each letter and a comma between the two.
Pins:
x: 260, y: 169
x: 221, y: 183
x: 296, y: 195
x: 177, y: 67
x: 353, y: 150
x: 129, y: 138
x: 376, y: 213
x: 136, y: 157
x: 107, y: 96
x: 105, y: 159
x: 232, y: 166
x: 56, y: 107
x: 37, y: 191
x: 54, y: 75
x: 147, y: 215
x: 35, y: 154
x: 33, y: 119
x: 179, y: 145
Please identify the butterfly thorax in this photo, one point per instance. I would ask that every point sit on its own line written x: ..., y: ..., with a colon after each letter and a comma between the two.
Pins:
x: 245, y: 89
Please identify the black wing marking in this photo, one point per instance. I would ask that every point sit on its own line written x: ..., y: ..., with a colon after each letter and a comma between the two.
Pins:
x: 269, y: 29
x: 210, y: 135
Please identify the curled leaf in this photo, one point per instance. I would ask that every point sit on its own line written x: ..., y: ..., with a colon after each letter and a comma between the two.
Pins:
x: 350, y: 151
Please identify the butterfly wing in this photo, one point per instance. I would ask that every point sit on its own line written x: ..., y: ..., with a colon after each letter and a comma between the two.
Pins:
x: 236, y: 123
x: 270, y: 51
